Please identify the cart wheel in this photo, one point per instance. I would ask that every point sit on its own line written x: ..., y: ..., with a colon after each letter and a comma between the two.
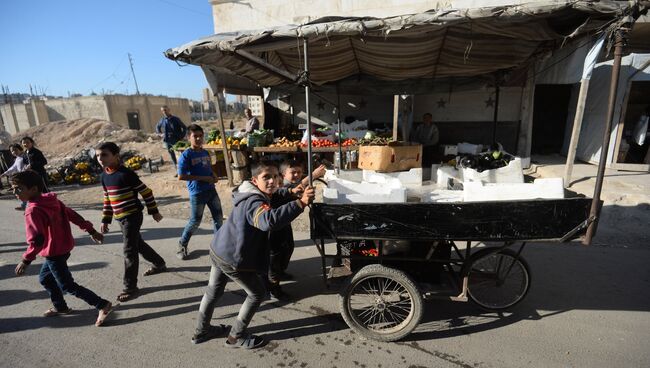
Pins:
x: 381, y: 303
x: 497, y: 280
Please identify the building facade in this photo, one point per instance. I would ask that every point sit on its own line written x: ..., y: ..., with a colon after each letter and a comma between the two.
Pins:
x: 140, y: 112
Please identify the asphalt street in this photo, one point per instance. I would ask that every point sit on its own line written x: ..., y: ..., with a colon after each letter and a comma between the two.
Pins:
x: 587, y: 307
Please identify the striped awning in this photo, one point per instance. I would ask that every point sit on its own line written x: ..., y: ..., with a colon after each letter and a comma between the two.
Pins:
x: 430, y: 45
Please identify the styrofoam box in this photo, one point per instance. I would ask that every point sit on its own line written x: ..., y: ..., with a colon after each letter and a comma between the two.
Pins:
x: 549, y: 188
x: 344, y: 191
x: 411, y: 177
x: 449, y: 149
x: 443, y: 196
x: 444, y: 173
x: 351, y: 175
x: 465, y: 147
x: 512, y: 173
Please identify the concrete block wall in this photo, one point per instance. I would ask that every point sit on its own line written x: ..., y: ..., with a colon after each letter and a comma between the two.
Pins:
x: 148, y: 109
x: 76, y: 108
x: 8, y: 120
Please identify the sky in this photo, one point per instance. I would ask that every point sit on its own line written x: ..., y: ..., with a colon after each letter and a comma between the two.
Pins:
x: 81, y: 46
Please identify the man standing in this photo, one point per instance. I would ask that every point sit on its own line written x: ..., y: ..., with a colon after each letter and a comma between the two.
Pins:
x: 252, y: 123
x: 172, y: 130
x: 427, y: 135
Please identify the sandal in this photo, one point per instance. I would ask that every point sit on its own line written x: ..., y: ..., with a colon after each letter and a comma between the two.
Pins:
x: 52, y: 312
x: 103, y: 313
x: 127, y: 295
x: 246, y: 342
x: 155, y: 270
x: 211, y: 333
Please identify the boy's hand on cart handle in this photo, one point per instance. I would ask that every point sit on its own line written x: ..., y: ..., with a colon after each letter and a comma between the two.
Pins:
x: 20, y: 268
x: 307, y: 196
x: 297, y: 190
x: 104, y: 228
x: 319, y: 172
x: 157, y: 217
x: 97, y: 237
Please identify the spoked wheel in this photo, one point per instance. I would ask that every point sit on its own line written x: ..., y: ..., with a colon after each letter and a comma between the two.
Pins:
x: 381, y: 303
x: 497, y: 280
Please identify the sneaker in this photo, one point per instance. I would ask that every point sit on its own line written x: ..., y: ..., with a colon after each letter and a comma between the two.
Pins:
x: 211, y: 333
x: 103, y: 314
x: 182, y: 252
x: 245, y: 342
x: 278, y: 294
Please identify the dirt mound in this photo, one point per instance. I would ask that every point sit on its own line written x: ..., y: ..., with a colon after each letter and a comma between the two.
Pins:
x: 66, y: 138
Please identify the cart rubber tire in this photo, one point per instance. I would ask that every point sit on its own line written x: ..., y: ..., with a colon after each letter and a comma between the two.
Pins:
x: 517, y: 278
x: 402, y: 316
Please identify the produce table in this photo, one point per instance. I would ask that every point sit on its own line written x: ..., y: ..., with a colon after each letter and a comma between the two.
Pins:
x: 280, y: 149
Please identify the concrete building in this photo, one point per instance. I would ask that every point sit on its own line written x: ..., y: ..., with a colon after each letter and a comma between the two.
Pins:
x: 135, y: 111
x: 235, y: 15
x: 256, y: 104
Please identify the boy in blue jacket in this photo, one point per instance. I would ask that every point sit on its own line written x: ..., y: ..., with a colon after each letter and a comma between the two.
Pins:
x: 240, y: 252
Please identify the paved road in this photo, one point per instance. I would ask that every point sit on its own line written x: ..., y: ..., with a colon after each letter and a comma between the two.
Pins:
x: 588, y: 307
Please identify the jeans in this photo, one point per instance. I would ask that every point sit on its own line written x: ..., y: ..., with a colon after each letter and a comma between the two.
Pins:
x: 57, y: 279
x: 220, y: 274
x: 281, y: 246
x: 197, y: 206
x: 172, y: 153
x: 134, y: 245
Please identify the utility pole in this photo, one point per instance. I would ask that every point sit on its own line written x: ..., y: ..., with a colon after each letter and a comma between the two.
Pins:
x: 137, y: 91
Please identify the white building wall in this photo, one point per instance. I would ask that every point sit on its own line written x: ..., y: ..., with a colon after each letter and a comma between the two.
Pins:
x: 235, y: 15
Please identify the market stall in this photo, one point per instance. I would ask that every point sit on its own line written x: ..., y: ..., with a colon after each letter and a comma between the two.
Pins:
x: 382, y: 219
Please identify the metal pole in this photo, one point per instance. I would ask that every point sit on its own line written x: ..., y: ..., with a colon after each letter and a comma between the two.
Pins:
x: 224, y: 144
x: 575, y: 133
x: 338, y: 121
x: 496, y: 113
x: 305, y: 43
x: 594, y: 213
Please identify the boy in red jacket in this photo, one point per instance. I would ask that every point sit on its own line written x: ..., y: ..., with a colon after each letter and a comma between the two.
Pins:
x: 47, y: 224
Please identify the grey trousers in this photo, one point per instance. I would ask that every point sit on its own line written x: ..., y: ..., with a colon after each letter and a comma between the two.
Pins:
x: 220, y: 274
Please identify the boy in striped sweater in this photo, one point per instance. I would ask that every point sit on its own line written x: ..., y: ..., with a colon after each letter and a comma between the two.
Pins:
x: 121, y: 187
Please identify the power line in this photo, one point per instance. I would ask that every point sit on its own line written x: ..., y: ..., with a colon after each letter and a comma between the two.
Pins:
x: 185, y: 8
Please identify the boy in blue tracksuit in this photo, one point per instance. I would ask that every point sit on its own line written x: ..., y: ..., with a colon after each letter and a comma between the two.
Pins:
x: 240, y: 252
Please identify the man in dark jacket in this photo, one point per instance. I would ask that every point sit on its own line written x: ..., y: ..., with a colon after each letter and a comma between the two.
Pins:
x: 240, y: 252
x: 172, y: 130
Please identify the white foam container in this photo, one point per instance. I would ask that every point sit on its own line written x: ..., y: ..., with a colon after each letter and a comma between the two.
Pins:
x: 345, y: 191
x: 410, y: 178
x: 549, y: 188
x: 512, y: 173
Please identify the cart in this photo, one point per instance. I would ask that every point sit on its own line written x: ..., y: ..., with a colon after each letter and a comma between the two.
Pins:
x: 409, y: 245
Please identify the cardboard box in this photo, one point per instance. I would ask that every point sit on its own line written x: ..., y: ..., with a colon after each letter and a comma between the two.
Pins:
x: 395, y: 157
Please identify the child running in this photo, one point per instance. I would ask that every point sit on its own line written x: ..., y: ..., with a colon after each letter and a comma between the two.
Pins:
x: 195, y: 168
x: 240, y: 252
x: 19, y: 165
x: 47, y: 226
x: 281, y: 239
x: 121, y: 187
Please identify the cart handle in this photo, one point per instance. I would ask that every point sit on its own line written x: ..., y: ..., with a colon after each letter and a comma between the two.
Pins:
x: 583, y: 225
